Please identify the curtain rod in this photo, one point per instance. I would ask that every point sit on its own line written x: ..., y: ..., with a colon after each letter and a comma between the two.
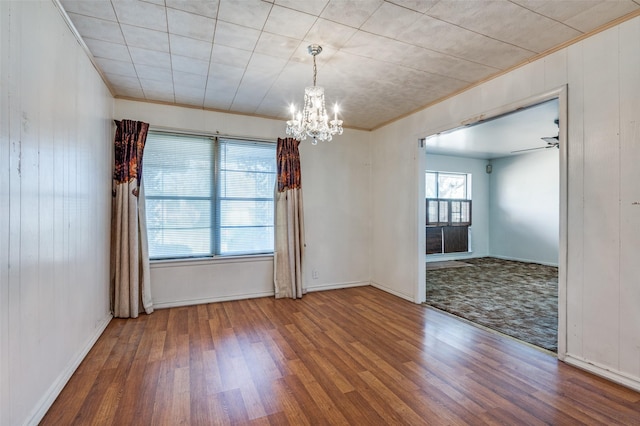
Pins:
x: 208, y: 134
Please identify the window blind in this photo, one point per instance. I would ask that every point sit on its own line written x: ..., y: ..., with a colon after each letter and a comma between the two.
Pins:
x: 208, y: 196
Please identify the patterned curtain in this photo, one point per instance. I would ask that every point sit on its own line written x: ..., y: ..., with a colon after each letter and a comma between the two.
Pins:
x: 130, y: 286
x: 289, y: 223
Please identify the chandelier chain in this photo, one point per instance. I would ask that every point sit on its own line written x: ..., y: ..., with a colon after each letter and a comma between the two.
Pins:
x: 315, y: 70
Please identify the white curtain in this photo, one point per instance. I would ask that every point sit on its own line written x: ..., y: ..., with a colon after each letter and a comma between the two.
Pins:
x: 288, y: 274
x: 130, y: 284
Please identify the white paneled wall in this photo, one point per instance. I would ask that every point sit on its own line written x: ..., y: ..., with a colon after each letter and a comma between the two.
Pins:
x: 55, y: 161
x: 602, y: 74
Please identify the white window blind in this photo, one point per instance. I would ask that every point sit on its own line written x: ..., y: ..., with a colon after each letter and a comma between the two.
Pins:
x: 208, y: 196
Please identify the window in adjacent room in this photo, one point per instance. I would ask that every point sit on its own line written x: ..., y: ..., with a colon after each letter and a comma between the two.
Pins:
x: 448, y: 208
x: 208, y: 196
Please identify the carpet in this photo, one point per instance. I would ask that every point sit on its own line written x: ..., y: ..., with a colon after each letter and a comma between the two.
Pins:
x: 515, y: 298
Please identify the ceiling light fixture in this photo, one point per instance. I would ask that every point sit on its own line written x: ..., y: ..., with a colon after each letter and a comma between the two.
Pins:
x: 313, y: 119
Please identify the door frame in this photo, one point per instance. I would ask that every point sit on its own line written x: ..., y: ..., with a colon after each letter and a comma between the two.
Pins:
x: 561, y: 94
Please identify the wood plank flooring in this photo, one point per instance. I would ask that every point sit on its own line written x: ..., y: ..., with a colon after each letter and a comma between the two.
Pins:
x: 354, y: 356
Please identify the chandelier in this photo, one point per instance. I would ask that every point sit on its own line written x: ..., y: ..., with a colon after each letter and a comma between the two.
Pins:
x: 313, y: 119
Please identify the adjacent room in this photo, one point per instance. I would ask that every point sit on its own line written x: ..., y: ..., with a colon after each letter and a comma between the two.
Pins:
x: 492, y: 225
x: 214, y: 211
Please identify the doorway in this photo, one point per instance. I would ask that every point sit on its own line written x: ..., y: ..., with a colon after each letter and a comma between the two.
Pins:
x: 518, y: 163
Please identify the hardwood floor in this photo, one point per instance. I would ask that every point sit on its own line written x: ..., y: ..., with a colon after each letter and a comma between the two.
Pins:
x: 353, y: 356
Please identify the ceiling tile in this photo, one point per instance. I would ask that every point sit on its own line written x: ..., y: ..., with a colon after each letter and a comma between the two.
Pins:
x: 421, y: 6
x: 154, y: 58
x: 190, y: 25
x: 146, y: 38
x: 141, y: 14
x: 439, y: 63
x: 591, y: 18
x: 313, y: 7
x: 208, y: 8
x: 156, y: 86
x: 245, y: 102
x: 187, y: 79
x: 560, y: 10
x: 288, y: 22
x: 389, y: 20
x: 189, y: 95
x: 98, y: 29
x: 159, y: 95
x: 190, y: 47
x: 148, y: 72
x: 191, y: 65
x: 228, y: 55
x: 101, y: 9
x: 275, y: 45
x: 248, y: 13
x: 226, y: 75
x: 129, y: 92
x: 110, y: 66
x: 353, y: 13
x: 455, y: 41
x: 123, y: 81
x: 236, y: 36
x: 105, y: 49
x: 219, y: 98
x: 329, y: 33
x: 375, y: 47
x: 518, y: 26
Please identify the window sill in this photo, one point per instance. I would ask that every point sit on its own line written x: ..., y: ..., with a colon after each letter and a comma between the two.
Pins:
x: 168, y: 263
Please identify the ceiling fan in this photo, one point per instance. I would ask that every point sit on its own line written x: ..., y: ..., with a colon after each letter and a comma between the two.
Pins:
x: 552, y: 142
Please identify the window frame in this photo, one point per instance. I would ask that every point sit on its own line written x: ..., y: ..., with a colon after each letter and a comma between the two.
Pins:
x: 216, y: 145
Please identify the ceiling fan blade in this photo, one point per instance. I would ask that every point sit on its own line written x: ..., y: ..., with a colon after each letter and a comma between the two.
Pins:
x: 531, y: 149
x: 551, y: 140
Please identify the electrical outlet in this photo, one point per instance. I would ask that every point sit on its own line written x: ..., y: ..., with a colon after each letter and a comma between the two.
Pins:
x: 315, y: 274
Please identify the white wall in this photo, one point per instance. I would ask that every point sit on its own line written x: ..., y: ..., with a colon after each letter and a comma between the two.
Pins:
x: 524, y: 207
x: 55, y: 186
x: 337, y: 199
x: 603, y: 223
x: 480, y: 193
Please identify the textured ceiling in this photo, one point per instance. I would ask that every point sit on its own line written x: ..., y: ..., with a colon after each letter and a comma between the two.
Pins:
x: 381, y: 59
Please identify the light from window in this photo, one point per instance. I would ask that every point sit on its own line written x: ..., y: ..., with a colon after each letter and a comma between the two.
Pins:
x: 454, y: 186
x: 208, y: 196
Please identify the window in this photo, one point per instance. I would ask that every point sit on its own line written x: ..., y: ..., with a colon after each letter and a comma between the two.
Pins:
x: 448, y: 211
x: 208, y: 196
x: 455, y: 186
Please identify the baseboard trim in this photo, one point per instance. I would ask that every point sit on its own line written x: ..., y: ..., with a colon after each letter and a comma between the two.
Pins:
x: 337, y: 286
x: 603, y: 371
x: 389, y: 290
x: 56, y: 387
x: 202, y: 301
x: 516, y: 259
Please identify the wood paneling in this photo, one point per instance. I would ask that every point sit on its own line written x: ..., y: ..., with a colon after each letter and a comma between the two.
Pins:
x: 629, y: 197
x: 353, y: 356
x: 55, y: 185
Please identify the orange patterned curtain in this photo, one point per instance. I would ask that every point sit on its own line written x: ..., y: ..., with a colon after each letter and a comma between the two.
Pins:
x: 288, y: 159
x: 129, y: 146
